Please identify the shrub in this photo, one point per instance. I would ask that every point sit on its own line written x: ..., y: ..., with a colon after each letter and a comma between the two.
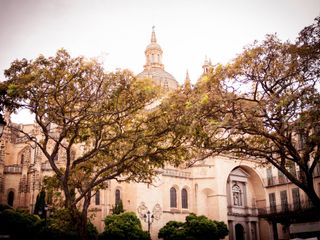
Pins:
x: 18, y: 224
x: 195, y: 228
x: 123, y: 226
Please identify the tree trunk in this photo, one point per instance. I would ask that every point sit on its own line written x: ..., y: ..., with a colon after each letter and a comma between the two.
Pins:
x: 311, y: 193
x: 83, y: 225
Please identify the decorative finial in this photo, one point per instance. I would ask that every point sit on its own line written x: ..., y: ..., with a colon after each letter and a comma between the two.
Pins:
x: 153, y: 35
x: 205, y: 60
x: 187, y: 75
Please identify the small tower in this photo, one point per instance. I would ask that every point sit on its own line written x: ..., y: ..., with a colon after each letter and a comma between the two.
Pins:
x: 207, y: 65
x: 153, y: 53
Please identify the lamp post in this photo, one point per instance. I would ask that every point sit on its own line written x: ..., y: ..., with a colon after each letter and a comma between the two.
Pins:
x: 45, y: 214
x: 2, y: 124
x: 148, y: 218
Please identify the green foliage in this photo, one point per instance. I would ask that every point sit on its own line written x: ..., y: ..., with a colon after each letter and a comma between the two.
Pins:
x: 61, y: 226
x: 264, y: 105
x: 118, y: 208
x: 54, y: 189
x: 123, y: 226
x: 195, y: 228
x: 200, y: 227
x: 21, y: 225
x: 222, y: 229
x: 61, y: 220
x: 18, y: 224
x: 173, y: 230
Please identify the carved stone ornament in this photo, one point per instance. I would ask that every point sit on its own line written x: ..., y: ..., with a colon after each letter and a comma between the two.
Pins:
x: 157, y: 211
x: 142, y: 210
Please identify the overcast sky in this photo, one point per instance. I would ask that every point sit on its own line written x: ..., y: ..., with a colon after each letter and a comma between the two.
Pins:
x: 119, y: 30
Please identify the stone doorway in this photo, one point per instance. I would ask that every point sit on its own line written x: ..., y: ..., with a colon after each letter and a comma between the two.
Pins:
x: 239, y: 232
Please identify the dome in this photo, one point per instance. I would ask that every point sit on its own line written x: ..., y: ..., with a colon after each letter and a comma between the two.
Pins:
x: 153, y: 45
x: 160, y: 77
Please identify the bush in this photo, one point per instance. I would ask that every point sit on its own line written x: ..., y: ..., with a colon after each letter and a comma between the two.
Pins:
x: 173, y: 230
x: 18, y: 224
x: 195, y: 228
x: 124, y: 226
x: 60, y: 226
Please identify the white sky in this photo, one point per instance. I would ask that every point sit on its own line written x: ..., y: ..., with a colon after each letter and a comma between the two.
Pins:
x: 120, y: 30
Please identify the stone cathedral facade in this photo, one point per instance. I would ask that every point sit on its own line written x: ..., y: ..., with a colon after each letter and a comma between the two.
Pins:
x: 237, y: 191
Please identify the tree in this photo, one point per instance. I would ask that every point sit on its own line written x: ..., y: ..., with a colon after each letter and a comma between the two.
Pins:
x: 194, y: 228
x: 39, y: 207
x: 94, y: 126
x: 118, y: 208
x: 266, y: 105
x: 123, y: 226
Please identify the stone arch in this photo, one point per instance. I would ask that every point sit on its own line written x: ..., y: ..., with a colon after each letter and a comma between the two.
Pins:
x: 185, y: 197
x: 256, y: 182
x: 24, y: 156
x: 259, y: 190
x: 245, y: 195
x: 10, y: 197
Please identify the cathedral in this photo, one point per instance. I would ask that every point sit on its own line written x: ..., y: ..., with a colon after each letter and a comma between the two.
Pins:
x: 239, y: 192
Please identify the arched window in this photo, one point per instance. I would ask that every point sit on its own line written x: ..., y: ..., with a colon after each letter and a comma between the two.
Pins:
x: 22, y: 159
x: 173, y: 197
x: 97, y: 198
x: 10, y: 198
x: 184, y: 198
x: 236, y: 193
x: 117, y: 196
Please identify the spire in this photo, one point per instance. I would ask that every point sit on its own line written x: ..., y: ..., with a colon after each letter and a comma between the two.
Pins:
x: 187, y: 82
x: 187, y: 76
x: 153, y: 53
x: 153, y: 35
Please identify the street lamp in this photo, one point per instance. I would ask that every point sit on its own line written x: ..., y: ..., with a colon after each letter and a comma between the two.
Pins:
x: 148, y: 218
x: 45, y: 213
x: 2, y: 124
